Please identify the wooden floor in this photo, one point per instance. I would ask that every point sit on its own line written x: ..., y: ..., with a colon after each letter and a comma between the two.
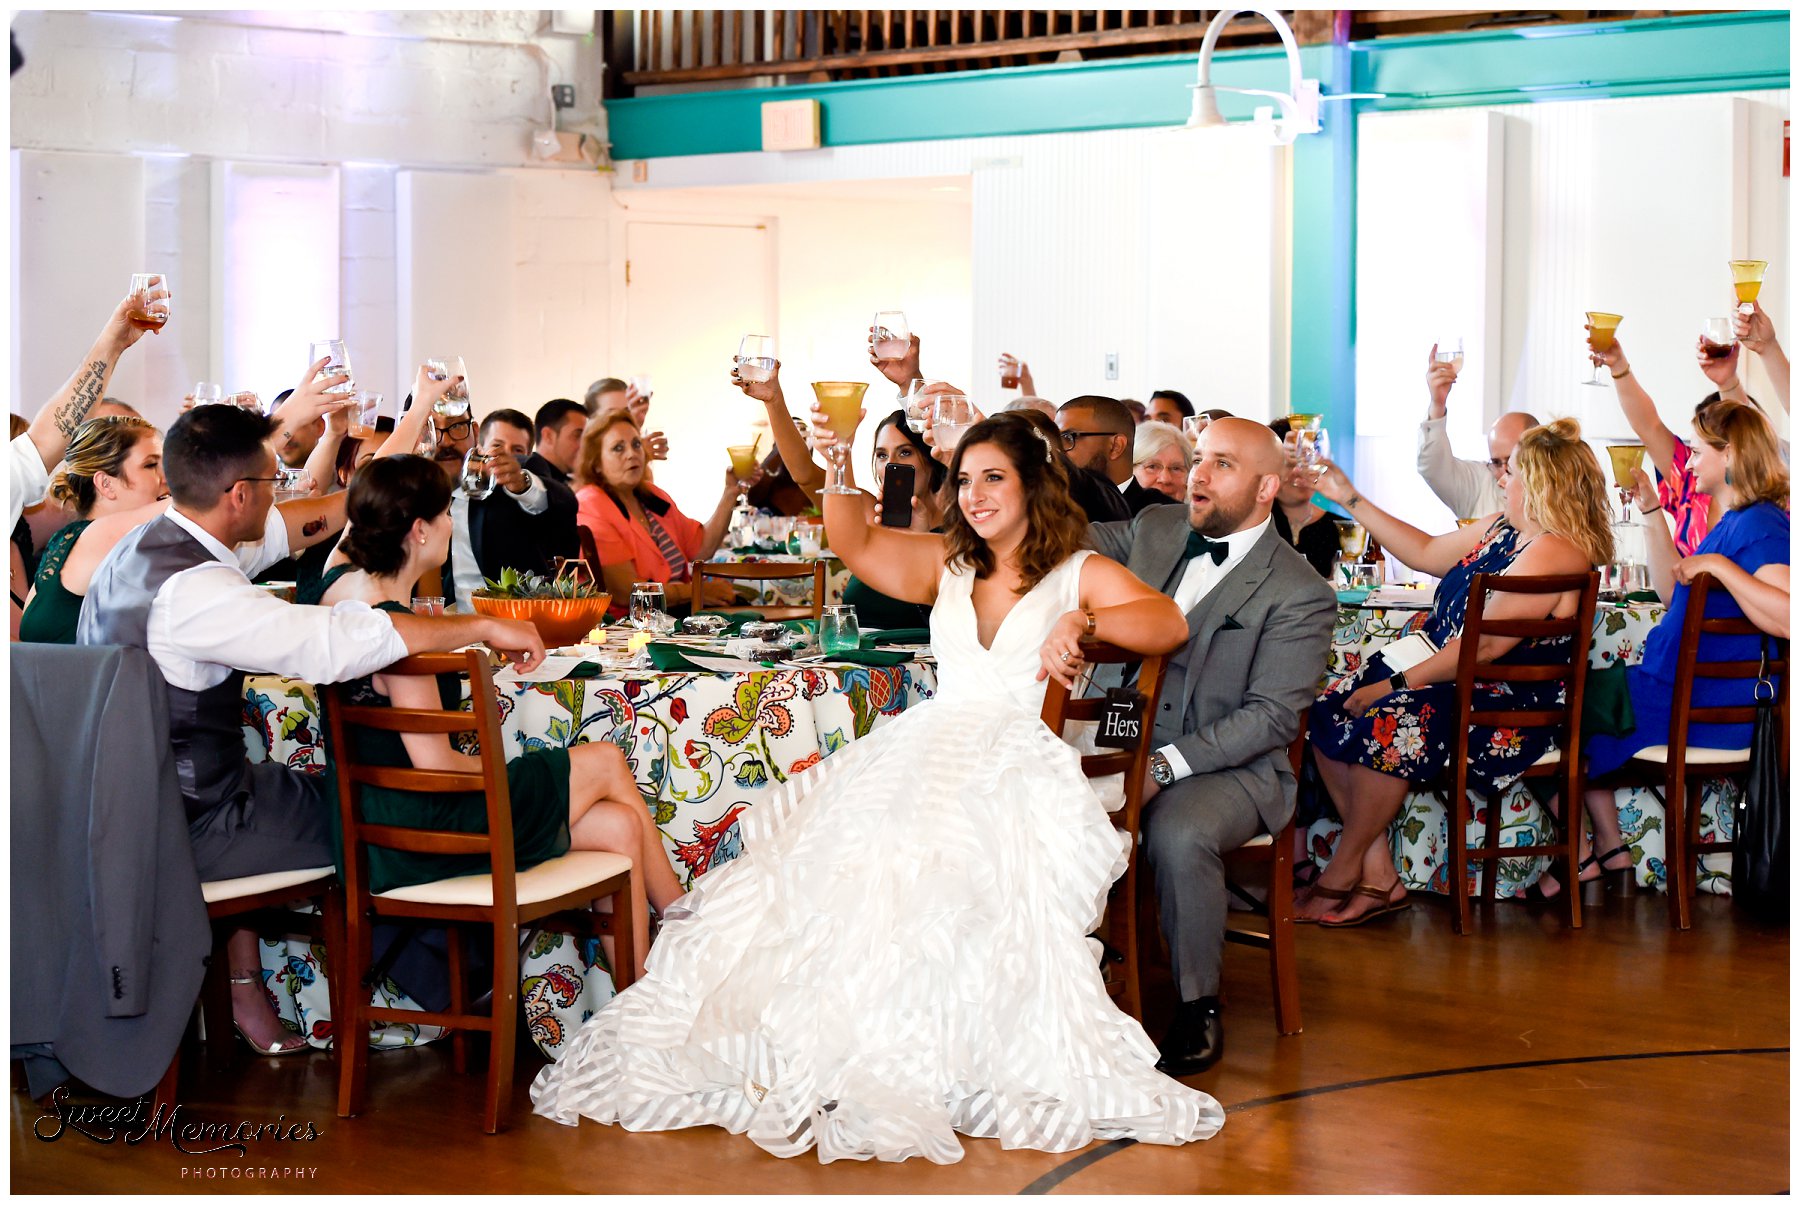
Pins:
x: 1523, y: 1058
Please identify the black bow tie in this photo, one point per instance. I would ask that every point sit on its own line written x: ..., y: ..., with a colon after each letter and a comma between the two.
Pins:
x: 1199, y: 545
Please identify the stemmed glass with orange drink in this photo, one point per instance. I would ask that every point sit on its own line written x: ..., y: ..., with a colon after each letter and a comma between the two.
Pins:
x: 1602, y: 328
x: 842, y: 403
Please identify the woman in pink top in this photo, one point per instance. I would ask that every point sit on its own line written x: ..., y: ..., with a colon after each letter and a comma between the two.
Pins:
x: 639, y: 532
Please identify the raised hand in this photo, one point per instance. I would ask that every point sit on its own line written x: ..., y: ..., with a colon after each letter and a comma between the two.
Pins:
x: 1334, y: 483
x: 1722, y: 372
x: 1613, y: 358
x: 508, y: 472
x: 1754, y: 330
x: 762, y: 391
x: 1439, y: 378
x: 119, y: 326
x: 902, y: 371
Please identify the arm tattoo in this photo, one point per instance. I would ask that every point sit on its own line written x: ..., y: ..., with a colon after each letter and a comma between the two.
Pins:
x: 72, y: 413
x: 1354, y: 499
x: 313, y: 527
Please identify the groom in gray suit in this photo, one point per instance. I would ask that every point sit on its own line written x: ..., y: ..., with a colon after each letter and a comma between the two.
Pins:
x: 1259, y: 624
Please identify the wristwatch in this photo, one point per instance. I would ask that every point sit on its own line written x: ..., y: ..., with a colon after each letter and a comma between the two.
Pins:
x: 1161, y: 770
x: 1397, y: 679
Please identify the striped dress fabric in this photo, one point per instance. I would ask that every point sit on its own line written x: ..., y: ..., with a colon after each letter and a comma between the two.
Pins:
x: 900, y: 954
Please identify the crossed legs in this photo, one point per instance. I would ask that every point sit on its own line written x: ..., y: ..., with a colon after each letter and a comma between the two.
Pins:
x: 607, y: 812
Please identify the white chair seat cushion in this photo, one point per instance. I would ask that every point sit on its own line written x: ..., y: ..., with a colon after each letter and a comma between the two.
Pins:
x: 1259, y: 839
x: 277, y: 880
x: 545, y: 881
x: 1697, y: 755
x: 1552, y: 755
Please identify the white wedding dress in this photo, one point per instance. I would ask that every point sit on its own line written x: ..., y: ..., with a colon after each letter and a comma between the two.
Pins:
x: 900, y: 952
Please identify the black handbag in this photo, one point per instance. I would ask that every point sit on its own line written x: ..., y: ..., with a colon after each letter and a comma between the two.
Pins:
x: 1759, y: 857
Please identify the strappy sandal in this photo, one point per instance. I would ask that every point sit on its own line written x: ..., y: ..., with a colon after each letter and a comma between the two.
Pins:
x: 1388, y: 907
x: 1316, y: 892
x: 270, y: 1052
x: 1622, y: 881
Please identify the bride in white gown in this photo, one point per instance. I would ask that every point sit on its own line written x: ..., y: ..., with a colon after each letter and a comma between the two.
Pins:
x: 900, y: 953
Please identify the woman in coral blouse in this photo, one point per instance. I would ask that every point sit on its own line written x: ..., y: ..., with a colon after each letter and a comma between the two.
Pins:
x: 639, y: 532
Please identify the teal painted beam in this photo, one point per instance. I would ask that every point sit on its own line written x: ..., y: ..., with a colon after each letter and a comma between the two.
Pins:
x: 1716, y: 52
x: 1322, y: 284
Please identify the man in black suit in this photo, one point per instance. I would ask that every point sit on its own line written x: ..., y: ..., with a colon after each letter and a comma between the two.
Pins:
x: 1098, y: 433
x: 560, y: 425
x: 527, y: 521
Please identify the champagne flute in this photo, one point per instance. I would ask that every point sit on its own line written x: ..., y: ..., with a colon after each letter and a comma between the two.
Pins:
x: 892, y: 336
x: 1747, y: 279
x: 337, y: 358
x: 1600, y: 338
x: 951, y: 416
x: 842, y: 403
x: 756, y: 358
x: 477, y: 479
x: 144, y: 314
x: 1716, y: 338
x: 1450, y: 351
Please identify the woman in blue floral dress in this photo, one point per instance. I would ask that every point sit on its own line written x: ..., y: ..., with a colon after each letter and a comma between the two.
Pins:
x: 1379, y: 733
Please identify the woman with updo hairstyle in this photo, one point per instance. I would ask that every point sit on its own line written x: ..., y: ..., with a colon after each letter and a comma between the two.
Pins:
x: 1382, y: 732
x: 114, y: 468
x: 584, y: 797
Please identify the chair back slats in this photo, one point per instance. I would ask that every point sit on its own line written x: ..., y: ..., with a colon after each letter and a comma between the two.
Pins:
x: 400, y: 778
x: 765, y: 571
x: 409, y: 719
x: 423, y: 841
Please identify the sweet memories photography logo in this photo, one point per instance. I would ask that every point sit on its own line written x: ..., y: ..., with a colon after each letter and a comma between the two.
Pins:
x: 136, y: 1124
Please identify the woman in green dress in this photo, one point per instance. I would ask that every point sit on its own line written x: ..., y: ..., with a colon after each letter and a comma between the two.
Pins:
x: 114, y: 474
x: 582, y: 797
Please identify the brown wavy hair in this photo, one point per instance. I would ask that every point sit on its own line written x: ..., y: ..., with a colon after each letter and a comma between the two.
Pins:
x: 1565, y: 491
x: 1055, y: 528
x: 1756, y: 472
x: 100, y: 445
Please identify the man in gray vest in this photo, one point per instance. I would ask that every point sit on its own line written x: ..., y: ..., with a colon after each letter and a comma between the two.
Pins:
x: 1259, y: 623
x: 179, y: 586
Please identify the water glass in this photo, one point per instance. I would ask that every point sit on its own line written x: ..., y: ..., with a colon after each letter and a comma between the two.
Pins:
x: 477, y: 480
x: 428, y: 604
x: 208, y: 394
x: 291, y: 484
x: 646, y: 603
x: 892, y: 337
x: 951, y: 415
x: 363, y: 413
x: 1193, y: 425
x: 455, y: 403
x: 756, y: 358
x: 838, y: 630
x: 338, y: 363
x: 807, y: 540
x: 246, y: 400
x: 1450, y: 351
x: 918, y: 405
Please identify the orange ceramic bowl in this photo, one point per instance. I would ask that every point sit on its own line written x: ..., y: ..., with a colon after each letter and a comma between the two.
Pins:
x: 559, y: 621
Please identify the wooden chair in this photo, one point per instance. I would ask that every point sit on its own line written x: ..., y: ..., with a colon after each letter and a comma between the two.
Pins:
x: 1678, y: 771
x: 1121, y: 923
x: 1562, y: 764
x: 248, y: 903
x: 765, y: 571
x: 502, y: 900
x: 1276, y: 854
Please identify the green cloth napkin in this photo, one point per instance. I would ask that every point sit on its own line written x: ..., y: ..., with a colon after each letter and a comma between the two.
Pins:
x: 587, y: 669
x: 1606, y: 703
x: 874, y: 640
x: 668, y: 657
x: 1643, y: 596
x: 875, y: 658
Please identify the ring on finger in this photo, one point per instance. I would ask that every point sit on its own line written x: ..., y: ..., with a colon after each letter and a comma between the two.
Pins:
x: 1065, y: 658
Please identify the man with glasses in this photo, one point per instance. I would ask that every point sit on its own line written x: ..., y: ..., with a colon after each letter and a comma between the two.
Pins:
x: 1097, y: 433
x: 1470, y: 488
x: 179, y: 587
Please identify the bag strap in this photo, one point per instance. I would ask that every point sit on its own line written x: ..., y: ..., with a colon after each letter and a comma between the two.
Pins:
x: 1762, y: 677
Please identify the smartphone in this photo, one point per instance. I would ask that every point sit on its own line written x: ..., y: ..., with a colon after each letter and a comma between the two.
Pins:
x: 897, y: 496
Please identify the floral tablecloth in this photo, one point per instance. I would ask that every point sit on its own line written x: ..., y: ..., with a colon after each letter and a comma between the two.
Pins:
x: 1420, y: 832
x: 704, y: 747
x: 795, y: 592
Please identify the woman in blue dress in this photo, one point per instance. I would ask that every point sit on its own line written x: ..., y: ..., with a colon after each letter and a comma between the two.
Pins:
x: 1736, y: 459
x: 1381, y: 733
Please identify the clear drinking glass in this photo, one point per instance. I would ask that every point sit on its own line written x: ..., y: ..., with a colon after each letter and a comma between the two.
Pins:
x: 838, y: 630
x: 756, y: 357
x: 477, y: 480
x: 338, y: 362
x: 892, y: 336
x: 1603, y: 327
x: 1716, y: 338
x: 456, y: 402
x: 1450, y: 351
x: 144, y: 314
x: 291, y: 484
x: 1193, y: 425
x: 951, y: 415
x: 206, y: 393
x: 246, y: 400
x: 807, y: 540
x: 363, y: 413
x: 1009, y: 371
x: 645, y: 387
x: 918, y: 406
x: 646, y: 603
x: 428, y: 604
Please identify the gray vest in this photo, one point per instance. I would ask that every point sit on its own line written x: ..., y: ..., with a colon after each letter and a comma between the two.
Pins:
x: 206, y: 726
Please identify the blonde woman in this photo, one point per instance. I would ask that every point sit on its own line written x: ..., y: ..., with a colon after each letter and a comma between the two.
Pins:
x: 1381, y: 733
x: 1160, y: 459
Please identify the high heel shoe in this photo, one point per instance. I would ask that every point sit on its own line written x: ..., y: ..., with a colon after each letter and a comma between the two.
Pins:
x: 1622, y: 881
x: 270, y: 1052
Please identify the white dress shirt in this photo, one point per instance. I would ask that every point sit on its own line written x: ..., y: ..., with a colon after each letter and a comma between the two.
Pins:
x: 30, y: 479
x: 463, y: 569
x: 209, y: 620
x: 1197, y: 581
x: 1467, y: 487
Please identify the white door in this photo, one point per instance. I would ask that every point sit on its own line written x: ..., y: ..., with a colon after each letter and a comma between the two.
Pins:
x: 693, y: 289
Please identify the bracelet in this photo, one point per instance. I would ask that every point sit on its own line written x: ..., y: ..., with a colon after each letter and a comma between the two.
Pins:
x: 1093, y: 623
x: 1657, y: 510
x: 1619, y: 376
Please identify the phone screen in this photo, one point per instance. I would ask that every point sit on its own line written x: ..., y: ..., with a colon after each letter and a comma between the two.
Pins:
x: 897, y: 496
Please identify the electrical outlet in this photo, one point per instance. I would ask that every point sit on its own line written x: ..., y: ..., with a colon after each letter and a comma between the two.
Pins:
x: 1112, y: 365
x: 563, y: 95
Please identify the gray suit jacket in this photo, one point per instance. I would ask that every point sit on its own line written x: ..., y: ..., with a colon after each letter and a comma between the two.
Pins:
x: 1257, y: 649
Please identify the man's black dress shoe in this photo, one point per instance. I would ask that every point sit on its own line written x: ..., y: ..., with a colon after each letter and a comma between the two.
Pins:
x: 1195, y: 1041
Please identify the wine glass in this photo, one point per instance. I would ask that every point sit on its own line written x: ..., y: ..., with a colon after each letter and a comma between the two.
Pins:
x: 951, y: 415
x: 842, y: 403
x: 337, y: 358
x: 1450, y: 351
x: 147, y: 315
x: 1600, y: 337
x: 1193, y: 425
x: 363, y: 414
x: 756, y: 358
x: 456, y: 402
x: 1626, y: 460
x: 918, y: 405
x: 892, y: 336
x: 477, y: 479
x: 1747, y: 279
x: 1716, y: 338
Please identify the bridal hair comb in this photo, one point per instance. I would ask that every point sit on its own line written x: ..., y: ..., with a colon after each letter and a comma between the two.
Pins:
x: 1049, y: 453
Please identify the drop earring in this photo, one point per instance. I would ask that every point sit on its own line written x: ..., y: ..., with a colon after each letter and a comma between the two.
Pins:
x: 1727, y: 474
